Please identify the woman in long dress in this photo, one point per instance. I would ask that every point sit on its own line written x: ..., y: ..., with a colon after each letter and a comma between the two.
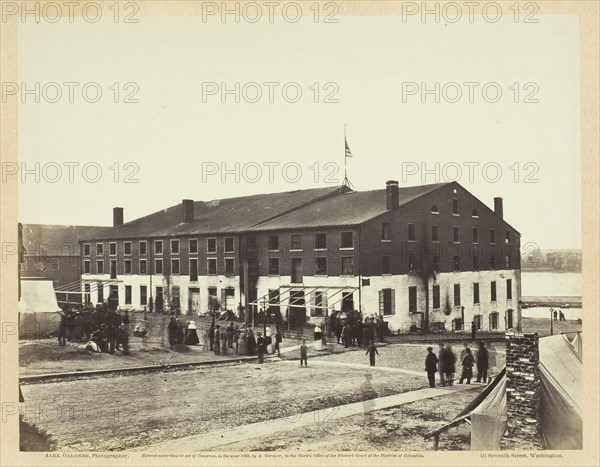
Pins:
x: 191, y: 337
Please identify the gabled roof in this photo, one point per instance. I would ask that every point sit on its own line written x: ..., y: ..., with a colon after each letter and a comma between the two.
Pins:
x: 347, y: 209
x: 57, y: 240
x: 228, y: 215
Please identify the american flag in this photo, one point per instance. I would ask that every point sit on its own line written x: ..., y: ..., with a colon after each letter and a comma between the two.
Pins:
x: 348, y: 153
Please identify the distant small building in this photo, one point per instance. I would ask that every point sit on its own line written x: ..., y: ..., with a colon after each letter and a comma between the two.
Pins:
x: 52, y: 252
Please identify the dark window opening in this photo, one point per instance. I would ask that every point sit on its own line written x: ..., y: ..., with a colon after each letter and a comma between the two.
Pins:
x: 321, y: 241
x: 412, y: 233
x: 456, y: 294
x: 436, y: 297
x: 297, y: 276
x: 347, y: 240
x: 412, y: 299
x: 321, y: 266
x: 274, y: 266
x: 385, y: 265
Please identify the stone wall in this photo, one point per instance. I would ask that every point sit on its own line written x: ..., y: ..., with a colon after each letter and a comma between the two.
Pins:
x: 522, y: 392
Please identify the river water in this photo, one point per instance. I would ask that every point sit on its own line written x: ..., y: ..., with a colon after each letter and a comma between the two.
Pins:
x: 551, y: 284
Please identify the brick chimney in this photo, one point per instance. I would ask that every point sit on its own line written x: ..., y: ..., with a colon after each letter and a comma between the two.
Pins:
x: 188, y: 210
x: 117, y: 217
x: 392, y: 196
x: 522, y: 392
x: 498, y: 209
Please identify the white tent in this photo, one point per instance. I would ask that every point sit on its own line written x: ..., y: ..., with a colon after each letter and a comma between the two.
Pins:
x: 561, y: 400
x: 38, y: 309
x: 488, y: 419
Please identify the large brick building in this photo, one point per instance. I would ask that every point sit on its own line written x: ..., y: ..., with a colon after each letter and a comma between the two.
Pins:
x: 430, y: 256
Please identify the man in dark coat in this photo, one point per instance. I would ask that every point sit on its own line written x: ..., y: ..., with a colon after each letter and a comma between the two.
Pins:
x: 441, y: 361
x: 211, y: 335
x: 431, y: 366
x: 278, y: 340
x: 230, y: 331
x: 251, y: 342
x: 380, y: 329
x: 172, y: 331
x: 62, y: 330
x: 217, y: 340
x: 449, y: 365
x: 467, y: 367
x: 372, y: 351
x: 346, y: 335
x: 482, y: 363
x: 338, y: 329
x: 112, y: 330
x: 358, y: 328
x: 260, y: 347
x: 124, y: 338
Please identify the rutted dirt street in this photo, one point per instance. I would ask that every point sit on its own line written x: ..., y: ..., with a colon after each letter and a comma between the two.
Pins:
x: 120, y: 412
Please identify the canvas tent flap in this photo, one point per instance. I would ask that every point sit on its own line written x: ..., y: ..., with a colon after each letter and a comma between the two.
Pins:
x: 38, y: 297
x: 38, y: 309
x: 577, y: 345
x: 488, y: 420
x: 561, y: 393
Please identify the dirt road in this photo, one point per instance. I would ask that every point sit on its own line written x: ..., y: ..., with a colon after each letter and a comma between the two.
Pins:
x: 120, y: 412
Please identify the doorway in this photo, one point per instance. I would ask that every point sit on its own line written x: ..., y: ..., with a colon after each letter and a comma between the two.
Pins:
x: 194, y: 300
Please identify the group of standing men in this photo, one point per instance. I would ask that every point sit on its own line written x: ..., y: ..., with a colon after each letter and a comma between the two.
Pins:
x: 445, y: 364
x: 103, y: 327
x: 359, y: 332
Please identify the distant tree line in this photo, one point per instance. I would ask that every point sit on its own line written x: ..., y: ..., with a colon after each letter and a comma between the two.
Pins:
x: 552, y: 260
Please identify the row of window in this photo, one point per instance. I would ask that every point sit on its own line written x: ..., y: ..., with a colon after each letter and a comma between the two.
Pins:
x: 211, y: 247
x: 387, y: 297
x: 320, y: 266
x: 211, y: 267
x: 320, y: 241
x: 457, y: 299
x: 435, y: 263
x: 435, y: 236
x: 347, y: 241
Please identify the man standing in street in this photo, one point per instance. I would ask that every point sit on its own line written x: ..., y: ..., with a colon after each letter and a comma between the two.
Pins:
x: 482, y: 363
x: 260, y: 347
x: 217, y: 340
x: 431, y: 366
x: 372, y: 351
x: 449, y: 365
x: 441, y: 359
x: 278, y: 339
x: 211, y: 335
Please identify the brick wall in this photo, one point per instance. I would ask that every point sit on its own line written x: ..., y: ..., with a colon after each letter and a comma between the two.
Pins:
x: 522, y: 392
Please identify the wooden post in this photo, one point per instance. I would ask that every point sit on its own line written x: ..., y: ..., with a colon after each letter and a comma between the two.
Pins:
x: 436, y: 441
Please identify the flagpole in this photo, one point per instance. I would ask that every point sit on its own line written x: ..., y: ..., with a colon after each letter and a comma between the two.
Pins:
x: 345, y: 158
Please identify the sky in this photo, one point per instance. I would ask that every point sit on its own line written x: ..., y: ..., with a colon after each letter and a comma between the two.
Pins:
x: 183, y: 138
